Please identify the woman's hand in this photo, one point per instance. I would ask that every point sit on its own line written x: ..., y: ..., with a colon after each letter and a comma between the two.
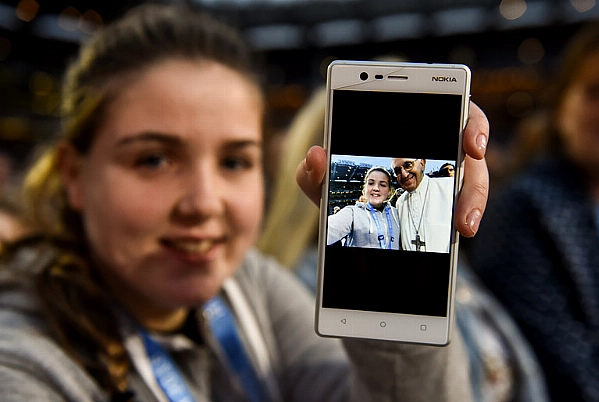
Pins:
x: 475, y: 189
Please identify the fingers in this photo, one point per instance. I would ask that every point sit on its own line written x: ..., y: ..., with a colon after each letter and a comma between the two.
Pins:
x: 473, y: 196
x: 476, y: 133
x: 475, y: 189
x: 310, y: 173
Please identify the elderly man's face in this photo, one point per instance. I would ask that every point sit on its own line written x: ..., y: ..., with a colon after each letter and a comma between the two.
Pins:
x: 409, y: 172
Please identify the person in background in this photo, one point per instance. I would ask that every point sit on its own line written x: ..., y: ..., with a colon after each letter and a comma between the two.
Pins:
x: 147, y: 285
x: 446, y: 170
x: 538, y: 246
x: 290, y: 229
x: 502, y: 365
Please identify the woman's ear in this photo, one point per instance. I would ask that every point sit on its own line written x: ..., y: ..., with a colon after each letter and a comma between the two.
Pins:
x: 70, y: 166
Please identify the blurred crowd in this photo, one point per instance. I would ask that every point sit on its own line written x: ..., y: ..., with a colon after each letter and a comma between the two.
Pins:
x: 528, y: 285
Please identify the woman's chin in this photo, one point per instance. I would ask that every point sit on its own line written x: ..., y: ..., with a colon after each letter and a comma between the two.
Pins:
x: 377, y: 204
x: 186, y: 296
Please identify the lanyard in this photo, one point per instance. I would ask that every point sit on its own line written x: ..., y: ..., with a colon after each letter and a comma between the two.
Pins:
x: 165, y: 371
x: 381, y: 236
x: 222, y: 325
x: 223, y: 328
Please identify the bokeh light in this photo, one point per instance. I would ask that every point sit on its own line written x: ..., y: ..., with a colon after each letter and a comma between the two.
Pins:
x: 69, y: 19
x: 91, y: 21
x: 27, y: 10
x: 583, y: 6
x: 512, y: 9
x: 531, y: 51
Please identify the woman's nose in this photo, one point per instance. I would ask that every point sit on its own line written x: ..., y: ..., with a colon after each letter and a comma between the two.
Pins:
x: 200, y: 198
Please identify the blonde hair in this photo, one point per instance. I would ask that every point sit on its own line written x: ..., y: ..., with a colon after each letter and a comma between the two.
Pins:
x: 291, y: 221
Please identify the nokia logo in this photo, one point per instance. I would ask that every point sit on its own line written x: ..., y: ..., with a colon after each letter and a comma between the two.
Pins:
x: 445, y: 79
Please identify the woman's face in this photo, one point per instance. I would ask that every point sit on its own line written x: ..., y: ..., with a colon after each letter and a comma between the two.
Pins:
x: 578, y: 117
x: 377, y: 188
x: 171, y: 192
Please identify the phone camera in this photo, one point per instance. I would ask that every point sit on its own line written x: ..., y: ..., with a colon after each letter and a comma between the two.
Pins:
x: 363, y: 75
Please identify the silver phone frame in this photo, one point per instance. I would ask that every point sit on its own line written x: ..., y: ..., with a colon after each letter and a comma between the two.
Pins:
x: 344, y: 74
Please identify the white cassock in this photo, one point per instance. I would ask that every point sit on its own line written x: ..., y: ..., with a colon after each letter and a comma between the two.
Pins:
x: 425, y: 215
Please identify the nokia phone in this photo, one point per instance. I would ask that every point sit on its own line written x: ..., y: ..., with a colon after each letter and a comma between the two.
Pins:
x: 378, y: 279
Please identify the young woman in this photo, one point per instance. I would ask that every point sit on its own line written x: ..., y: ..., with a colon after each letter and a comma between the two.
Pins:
x: 146, y: 286
x: 372, y: 223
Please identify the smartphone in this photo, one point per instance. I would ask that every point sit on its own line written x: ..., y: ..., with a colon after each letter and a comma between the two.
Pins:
x: 388, y: 256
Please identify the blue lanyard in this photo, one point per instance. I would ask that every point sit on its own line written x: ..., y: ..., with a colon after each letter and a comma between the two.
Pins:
x: 223, y: 328
x: 381, y: 236
x: 222, y: 324
x: 165, y: 371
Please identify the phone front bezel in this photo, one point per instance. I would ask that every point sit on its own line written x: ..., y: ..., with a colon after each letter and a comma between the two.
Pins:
x: 345, y: 76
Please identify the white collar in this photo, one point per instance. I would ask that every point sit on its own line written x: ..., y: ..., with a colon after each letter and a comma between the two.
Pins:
x: 422, y: 186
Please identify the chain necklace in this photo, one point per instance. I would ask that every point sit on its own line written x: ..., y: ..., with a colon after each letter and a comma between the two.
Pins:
x: 418, y: 242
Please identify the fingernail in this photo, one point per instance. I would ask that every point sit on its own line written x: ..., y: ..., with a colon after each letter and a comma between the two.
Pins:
x: 473, y: 220
x: 307, y: 166
x: 481, y: 141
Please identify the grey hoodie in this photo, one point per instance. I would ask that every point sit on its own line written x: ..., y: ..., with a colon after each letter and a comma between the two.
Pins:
x: 33, y: 367
x: 358, y: 225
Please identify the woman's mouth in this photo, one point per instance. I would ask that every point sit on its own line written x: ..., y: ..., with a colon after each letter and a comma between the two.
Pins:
x: 190, y: 246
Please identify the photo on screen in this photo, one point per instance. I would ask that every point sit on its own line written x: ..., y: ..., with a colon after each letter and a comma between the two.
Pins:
x: 390, y: 203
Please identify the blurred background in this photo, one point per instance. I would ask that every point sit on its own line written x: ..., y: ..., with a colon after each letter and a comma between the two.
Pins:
x: 510, y: 45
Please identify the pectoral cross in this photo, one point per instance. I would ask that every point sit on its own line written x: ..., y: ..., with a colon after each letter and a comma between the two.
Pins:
x: 418, y: 243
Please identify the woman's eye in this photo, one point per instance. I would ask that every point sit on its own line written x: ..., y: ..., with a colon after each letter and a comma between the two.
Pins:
x: 236, y: 163
x: 151, y: 161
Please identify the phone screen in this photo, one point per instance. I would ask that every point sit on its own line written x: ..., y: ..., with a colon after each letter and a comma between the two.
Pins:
x: 374, y: 128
